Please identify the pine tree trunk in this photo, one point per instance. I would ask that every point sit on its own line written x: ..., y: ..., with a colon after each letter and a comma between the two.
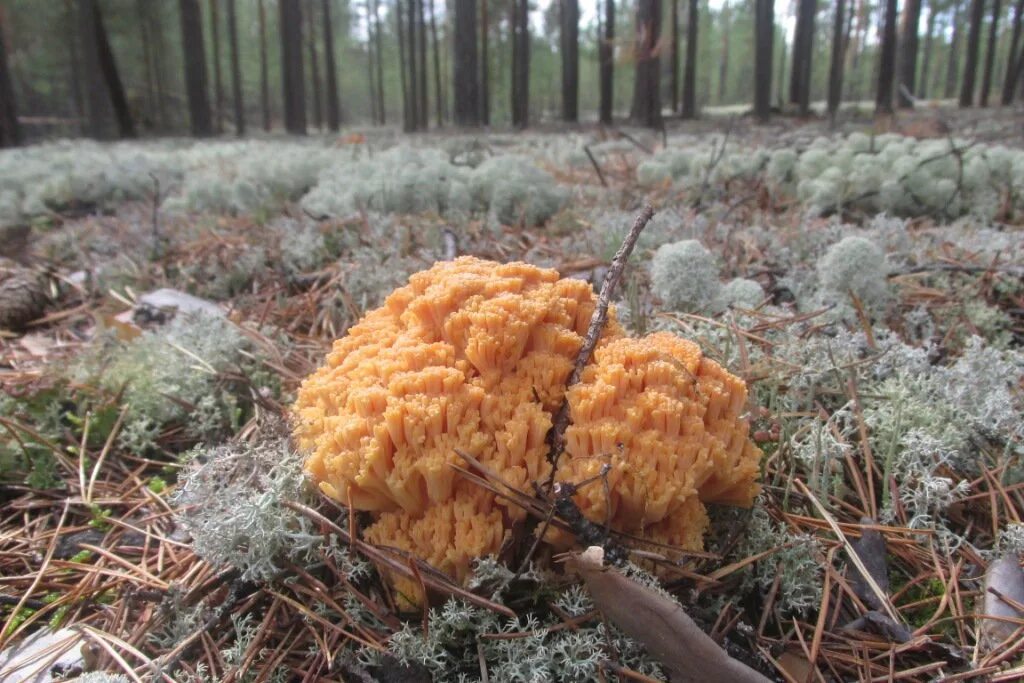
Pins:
x: 112, y: 79
x: 688, y: 106
x: 485, y: 65
x: 331, y: 70
x: 218, y: 83
x: 264, y: 75
x: 236, y: 70
x: 990, y: 52
x: 380, y: 64
x: 520, y: 63
x: 647, y: 83
x: 371, y: 62
x: 1011, y: 78
x: 929, y: 42
x: 803, y: 55
x: 408, y: 118
x: 908, y: 53
x: 147, y: 59
x: 10, y: 130
x: 99, y: 114
x: 764, y: 36
x: 292, y: 78
x: 465, y: 68
x: 195, y: 68
x: 314, y: 67
x: 723, y: 63
x: 421, y: 65
x: 570, y: 39
x: 887, y: 60
x: 606, y: 57
x: 954, y: 50
x: 74, y: 67
x: 971, y: 60
x: 835, y: 74
x: 438, y: 92
x: 673, y: 55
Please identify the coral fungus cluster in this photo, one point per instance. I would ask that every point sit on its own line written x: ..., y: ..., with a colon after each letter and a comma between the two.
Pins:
x: 474, y: 356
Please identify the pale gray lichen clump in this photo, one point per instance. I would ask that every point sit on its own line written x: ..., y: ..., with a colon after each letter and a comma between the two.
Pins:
x: 741, y: 293
x: 855, y: 265
x: 685, y: 277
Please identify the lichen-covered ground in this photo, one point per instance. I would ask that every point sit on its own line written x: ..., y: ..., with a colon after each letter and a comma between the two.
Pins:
x: 867, y: 286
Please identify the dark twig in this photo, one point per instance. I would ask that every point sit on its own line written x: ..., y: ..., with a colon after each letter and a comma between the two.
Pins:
x: 636, y: 142
x: 157, y: 243
x: 556, y: 437
x: 597, y: 168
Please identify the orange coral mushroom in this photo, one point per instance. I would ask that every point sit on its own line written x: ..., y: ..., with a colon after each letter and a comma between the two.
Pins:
x: 474, y: 355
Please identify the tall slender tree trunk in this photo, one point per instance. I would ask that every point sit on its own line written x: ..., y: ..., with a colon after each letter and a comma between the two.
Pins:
x: 292, y: 78
x: 421, y: 65
x: 378, y: 46
x: 112, y: 79
x: 835, y: 74
x: 236, y: 70
x: 971, y: 60
x: 673, y: 55
x: 371, y: 63
x: 929, y: 43
x: 908, y: 53
x: 407, y: 82
x: 606, y: 58
x: 147, y: 59
x: 688, y: 106
x: 570, y: 39
x: 99, y: 114
x: 723, y: 62
x: 990, y: 52
x: 887, y: 60
x: 764, y: 36
x: 465, y: 67
x: 218, y: 82
x: 438, y: 92
x: 520, y: 63
x: 314, y: 67
x: 10, y: 130
x: 331, y: 70
x: 485, y: 65
x: 74, y: 66
x: 952, y: 63
x: 411, y: 72
x: 803, y: 55
x: 195, y: 68
x: 264, y: 75
x: 1011, y: 77
x: 647, y: 83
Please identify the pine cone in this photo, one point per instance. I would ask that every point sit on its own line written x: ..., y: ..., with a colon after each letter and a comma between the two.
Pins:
x: 22, y: 295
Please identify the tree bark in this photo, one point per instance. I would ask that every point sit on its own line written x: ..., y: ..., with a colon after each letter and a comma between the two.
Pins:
x: 973, y: 44
x: 887, y: 60
x: 112, y: 79
x: 380, y: 63
x: 990, y: 52
x: 606, y: 58
x: 954, y: 50
x: 10, y: 130
x: 647, y: 83
x: 74, y: 66
x: 264, y: 75
x: 465, y: 69
x: 314, y: 67
x: 723, y: 62
x: 371, y: 63
x: 835, y: 74
x: 1011, y: 78
x: 331, y: 70
x: 236, y: 70
x: 292, y: 78
x: 929, y: 41
x: 147, y: 58
x: 520, y: 63
x: 218, y: 83
x: 803, y: 56
x: 673, y: 55
x: 570, y: 39
x: 421, y: 65
x: 908, y: 53
x: 195, y: 68
x: 688, y: 106
x: 405, y: 79
x: 99, y: 115
x: 764, y: 36
x: 438, y: 92
x: 485, y: 65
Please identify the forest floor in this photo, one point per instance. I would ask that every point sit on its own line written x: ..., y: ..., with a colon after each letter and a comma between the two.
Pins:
x: 886, y: 391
